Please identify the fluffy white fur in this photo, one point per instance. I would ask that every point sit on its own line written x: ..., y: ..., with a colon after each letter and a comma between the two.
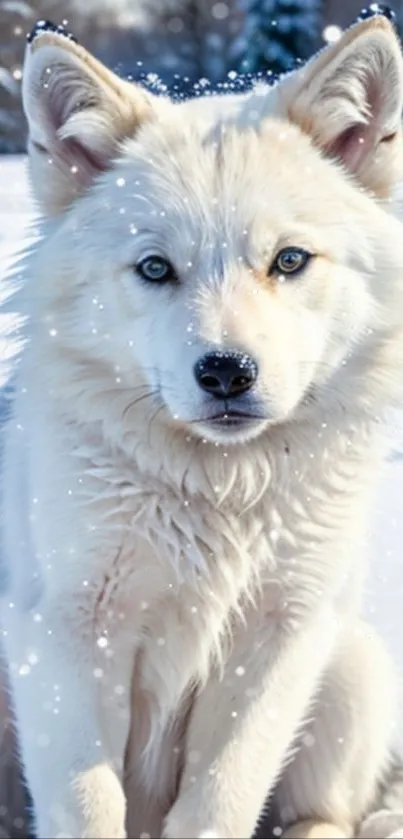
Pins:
x: 185, y: 597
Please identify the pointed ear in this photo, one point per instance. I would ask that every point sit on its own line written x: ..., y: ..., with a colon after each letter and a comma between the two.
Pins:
x: 78, y: 112
x: 349, y: 99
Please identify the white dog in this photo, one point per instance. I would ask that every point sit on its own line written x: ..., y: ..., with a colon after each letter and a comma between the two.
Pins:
x: 212, y: 333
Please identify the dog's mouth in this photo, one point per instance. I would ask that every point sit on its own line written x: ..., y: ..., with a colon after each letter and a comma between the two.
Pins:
x: 233, y: 419
x: 230, y: 425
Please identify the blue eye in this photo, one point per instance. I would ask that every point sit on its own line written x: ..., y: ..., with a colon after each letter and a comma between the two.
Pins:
x: 156, y: 269
x: 290, y: 261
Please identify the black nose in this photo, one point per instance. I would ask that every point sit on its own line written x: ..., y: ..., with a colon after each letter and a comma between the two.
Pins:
x: 225, y: 374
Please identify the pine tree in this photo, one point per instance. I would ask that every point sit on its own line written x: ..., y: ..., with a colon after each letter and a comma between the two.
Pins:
x: 278, y: 33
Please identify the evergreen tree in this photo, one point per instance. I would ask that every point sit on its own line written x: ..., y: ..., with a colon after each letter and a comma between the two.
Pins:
x: 278, y: 33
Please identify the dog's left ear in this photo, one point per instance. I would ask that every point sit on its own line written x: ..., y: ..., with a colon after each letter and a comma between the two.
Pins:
x: 78, y: 113
x: 349, y: 99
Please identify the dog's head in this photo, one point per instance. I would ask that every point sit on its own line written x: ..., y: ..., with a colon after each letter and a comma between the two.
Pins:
x: 217, y: 262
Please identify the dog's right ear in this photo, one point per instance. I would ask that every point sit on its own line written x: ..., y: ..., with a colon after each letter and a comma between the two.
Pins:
x: 78, y: 112
x: 349, y: 100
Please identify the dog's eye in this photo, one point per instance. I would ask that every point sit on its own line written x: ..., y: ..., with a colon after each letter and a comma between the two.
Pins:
x: 290, y: 261
x: 156, y: 269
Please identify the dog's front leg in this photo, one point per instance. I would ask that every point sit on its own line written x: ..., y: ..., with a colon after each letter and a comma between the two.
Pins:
x: 243, y: 725
x: 62, y: 692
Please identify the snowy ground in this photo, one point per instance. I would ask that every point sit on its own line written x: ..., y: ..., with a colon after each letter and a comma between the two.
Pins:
x: 384, y: 603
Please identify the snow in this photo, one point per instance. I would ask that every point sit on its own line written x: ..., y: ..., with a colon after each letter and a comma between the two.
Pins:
x: 384, y: 596
x: 15, y: 206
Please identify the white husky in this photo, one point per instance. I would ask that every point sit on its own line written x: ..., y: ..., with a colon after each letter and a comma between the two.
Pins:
x: 213, y: 332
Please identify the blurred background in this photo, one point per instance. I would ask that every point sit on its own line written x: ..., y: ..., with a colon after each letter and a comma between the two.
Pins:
x: 173, y: 43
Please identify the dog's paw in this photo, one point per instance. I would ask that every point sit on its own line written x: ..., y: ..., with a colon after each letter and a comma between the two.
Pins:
x: 385, y: 824
x: 209, y: 834
x: 204, y: 834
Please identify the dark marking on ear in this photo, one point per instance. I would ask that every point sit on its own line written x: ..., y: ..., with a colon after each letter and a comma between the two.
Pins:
x: 377, y: 9
x: 48, y: 26
x: 389, y: 138
x: 39, y: 147
x: 287, y: 448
